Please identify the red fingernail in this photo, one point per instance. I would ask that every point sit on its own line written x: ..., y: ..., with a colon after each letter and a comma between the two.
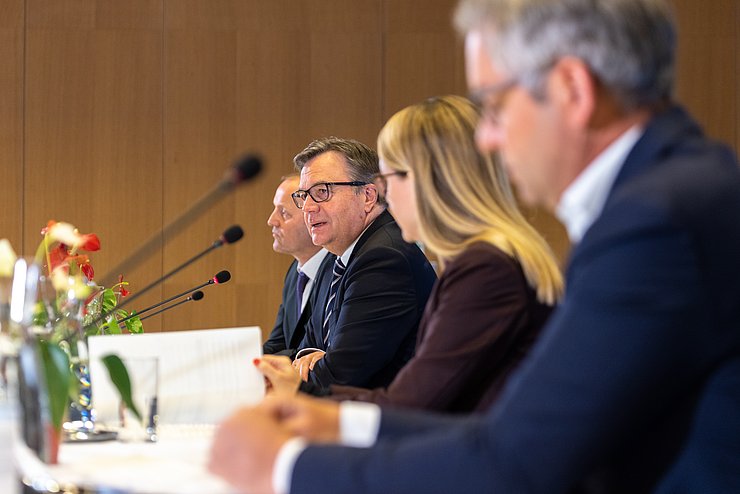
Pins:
x: 256, y: 361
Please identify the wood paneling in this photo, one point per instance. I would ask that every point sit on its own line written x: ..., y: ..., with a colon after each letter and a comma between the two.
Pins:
x: 11, y: 121
x: 93, y: 129
x: 199, y: 143
x: 423, y: 55
x: 707, y: 65
x: 118, y: 115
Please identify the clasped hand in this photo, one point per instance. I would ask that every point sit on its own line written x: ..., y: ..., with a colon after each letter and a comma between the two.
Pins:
x: 284, y: 377
x: 246, y: 444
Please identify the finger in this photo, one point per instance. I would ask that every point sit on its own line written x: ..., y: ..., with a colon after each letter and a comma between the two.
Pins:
x: 277, y: 361
x: 304, y: 372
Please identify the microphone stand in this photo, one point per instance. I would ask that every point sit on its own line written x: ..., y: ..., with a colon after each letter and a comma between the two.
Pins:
x: 173, y: 306
x: 209, y: 282
x: 247, y: 168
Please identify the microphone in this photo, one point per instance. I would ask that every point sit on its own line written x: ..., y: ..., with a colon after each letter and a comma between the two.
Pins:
x: 195, y: 296
x: 232, y: 234
x: 220, y: 278
x: 244, y: 170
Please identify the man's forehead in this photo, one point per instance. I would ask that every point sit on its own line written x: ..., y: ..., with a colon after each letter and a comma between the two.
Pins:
x: 329, y: 166
x: 479, y: 67
x: 285, y: 189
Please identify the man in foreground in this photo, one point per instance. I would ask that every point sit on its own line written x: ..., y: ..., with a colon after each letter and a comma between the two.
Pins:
x: 635, y: 385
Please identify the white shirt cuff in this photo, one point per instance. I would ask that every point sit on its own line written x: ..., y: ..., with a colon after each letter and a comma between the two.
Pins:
x: 359, y: 423
x: 282, y: 472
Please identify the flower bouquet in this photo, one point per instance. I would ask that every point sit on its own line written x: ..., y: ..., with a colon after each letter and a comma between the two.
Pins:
x: 67, y: 307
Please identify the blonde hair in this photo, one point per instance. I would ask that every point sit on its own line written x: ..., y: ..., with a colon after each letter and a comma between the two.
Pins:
x: 462, y: 195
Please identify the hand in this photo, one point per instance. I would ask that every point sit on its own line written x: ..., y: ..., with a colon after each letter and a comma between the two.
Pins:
x: 279, y: 373
x: 245, y: 447
x: 307, y: 362
x: 314, y: 419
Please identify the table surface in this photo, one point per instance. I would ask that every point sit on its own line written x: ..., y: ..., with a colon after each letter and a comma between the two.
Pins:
x: 174, y: 464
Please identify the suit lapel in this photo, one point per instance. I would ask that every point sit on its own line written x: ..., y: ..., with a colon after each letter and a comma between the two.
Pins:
x: 660, y: 137
x: 291, y: 308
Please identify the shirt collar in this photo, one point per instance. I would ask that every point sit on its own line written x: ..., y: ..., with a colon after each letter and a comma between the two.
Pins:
x: 348, y: 253
x: 311, y: 267
x: 583, y: 200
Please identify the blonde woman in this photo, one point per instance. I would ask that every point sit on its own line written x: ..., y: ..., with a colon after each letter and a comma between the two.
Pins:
x: 499, y: 279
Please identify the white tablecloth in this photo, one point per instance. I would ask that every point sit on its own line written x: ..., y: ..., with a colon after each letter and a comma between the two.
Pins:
x: 175, y: 464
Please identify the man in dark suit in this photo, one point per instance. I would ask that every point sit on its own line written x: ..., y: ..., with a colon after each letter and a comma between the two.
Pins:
x: 365, y: 328
x: 634, y: 386
x: 290, y: 236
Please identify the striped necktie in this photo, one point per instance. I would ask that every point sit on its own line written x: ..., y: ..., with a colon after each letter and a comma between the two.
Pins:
x: 339, y: 269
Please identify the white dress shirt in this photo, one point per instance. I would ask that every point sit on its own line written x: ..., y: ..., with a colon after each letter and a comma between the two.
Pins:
x: 583, y: 200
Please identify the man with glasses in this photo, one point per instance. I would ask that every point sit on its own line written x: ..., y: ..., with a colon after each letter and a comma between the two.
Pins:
x: 634, y: 386
x: 311, y: 264
x: 363, y: 329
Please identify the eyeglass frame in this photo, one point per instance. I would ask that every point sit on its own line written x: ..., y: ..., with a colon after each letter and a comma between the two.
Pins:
x: 381, y: 179
x: 481, y: 97
x: 296, y: 199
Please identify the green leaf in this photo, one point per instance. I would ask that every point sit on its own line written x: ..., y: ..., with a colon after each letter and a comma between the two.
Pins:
x: 58, y: 377
x: 109, y: 300
x: 134, y: 325
x: 120, y: 379
x: 111, y: 326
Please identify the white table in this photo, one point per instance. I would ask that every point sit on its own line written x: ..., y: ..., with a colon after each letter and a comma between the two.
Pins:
x: 175, y: 464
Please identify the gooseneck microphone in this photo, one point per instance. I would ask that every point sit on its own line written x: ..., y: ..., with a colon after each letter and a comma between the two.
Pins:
x: 195, y: 296
x: 244, y: 170
x: 220, y: 278
x: 232, y: 234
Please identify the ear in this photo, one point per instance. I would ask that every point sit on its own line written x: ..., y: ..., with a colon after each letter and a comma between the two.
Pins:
x: 575, y: 89
x: 371, y: 197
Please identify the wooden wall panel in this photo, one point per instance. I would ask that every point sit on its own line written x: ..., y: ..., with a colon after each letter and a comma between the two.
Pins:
x: 199, y: 144
x: 93, y: 127
x: 707, y: 67
x: 423, y: 56
x: 345, y: 73
x: 273, y: 101
x: 11, y: 121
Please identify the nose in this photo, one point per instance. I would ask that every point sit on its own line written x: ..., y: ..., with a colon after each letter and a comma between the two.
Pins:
x: 272, y: 220
x: 488, y: 136
x: 309, y: 205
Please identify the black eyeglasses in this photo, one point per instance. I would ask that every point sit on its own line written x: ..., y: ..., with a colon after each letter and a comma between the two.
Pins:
x: 320, y: 192
x: 381, y: 179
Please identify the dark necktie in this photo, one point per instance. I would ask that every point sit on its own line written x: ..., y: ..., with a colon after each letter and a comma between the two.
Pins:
x: 300, y: 286
x: 338, y: 272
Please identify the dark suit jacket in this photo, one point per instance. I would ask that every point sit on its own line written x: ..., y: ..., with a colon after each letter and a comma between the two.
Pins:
x: 479, y: 322
x: 289, y: 329
x: 634, y: 386
x: 379, y: 303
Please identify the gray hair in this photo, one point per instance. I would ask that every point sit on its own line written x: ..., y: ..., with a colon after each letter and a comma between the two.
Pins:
x: 629, y: 45
x: 361, y: 161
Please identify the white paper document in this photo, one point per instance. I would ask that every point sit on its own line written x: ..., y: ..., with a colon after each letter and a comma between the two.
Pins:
x: 203, y: 375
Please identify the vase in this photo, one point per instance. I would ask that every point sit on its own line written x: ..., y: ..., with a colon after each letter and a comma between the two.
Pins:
x: 68, y: 333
